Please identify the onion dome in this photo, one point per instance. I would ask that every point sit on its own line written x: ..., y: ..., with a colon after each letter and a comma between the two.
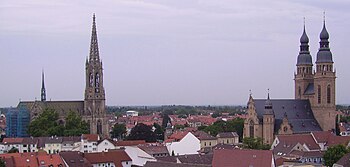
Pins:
x: 324, y: 55
x: 304, y: 57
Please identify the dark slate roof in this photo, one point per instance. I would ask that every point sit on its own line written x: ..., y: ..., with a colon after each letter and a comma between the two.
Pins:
x: 298, y: 112
x: 62, y: 107
x: 309, y: 89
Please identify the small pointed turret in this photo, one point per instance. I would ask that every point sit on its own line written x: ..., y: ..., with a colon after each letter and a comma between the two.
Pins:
x: 43, y: 91
x: 268, y: 105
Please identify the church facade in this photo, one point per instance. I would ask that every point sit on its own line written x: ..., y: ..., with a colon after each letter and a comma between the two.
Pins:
x: 312, y: 109
x: 92, y: 108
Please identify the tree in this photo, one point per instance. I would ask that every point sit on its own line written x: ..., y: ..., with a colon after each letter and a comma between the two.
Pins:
x: 159, y: 131
x: 13, y: 150
x: 333, y: 154
x: 118, y: 131
x: 75, y: 126
x: 255, y: 143
x: 142, y: 132
x: 47, y: 125
x: 2, y: 163
x: 235, y: 125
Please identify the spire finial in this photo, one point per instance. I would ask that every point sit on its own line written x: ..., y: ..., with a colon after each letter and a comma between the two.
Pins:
x: 324, y: 17
x: 304, y: 23
x: 268, y: 93
x: 250, y: 92
x: 93, y: 17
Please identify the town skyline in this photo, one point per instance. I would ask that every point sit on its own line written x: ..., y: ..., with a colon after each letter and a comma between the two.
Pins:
x: 190, y: 55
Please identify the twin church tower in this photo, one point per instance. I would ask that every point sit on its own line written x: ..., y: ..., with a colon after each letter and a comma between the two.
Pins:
x: 312, y: 109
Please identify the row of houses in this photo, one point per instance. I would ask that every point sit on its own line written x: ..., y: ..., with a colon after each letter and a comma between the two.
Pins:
x: 115, y: 158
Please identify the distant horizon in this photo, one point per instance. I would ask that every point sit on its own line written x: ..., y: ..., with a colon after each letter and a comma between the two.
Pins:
x: 167, y: 52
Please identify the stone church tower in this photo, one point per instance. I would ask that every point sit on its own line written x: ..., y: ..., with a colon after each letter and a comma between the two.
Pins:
x: 317, y: 86
x: 268, y: 122
x: 94, y: 102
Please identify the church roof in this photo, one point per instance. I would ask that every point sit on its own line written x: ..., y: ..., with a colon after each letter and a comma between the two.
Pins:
x: 58, y: 106
x: 298, y: 112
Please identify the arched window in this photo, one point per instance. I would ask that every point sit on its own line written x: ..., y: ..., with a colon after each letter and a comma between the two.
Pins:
x: 97, y: 80
x: 329, y: 94
x: 91, y: 79
x: 319, y: 94
x: 251, y: 128
x: 99, y: 127
x: 299, y: 92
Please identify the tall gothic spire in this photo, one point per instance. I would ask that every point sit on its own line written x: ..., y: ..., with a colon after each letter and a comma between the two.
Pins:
x: 94, y: 53
x: 43, y: 91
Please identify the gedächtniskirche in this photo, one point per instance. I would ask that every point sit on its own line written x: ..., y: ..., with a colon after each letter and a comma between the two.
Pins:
x: 92, y: 108
x: 312, y: 109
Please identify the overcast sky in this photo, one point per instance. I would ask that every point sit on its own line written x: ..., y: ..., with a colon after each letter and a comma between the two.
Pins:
x: 192, y: 52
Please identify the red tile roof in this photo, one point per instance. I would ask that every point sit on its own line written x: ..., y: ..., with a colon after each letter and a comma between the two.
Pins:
x: 12, y: 140
x: 32, y: 159
x: 242, y: 158
x: 178, y: 135
x: 115, y: 156
x: 130, y: 142
x: 306, y: 139
x: 90, y: 137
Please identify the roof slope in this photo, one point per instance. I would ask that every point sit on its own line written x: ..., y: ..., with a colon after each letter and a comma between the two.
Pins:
x: 298, y: 112
x: 242, y: 158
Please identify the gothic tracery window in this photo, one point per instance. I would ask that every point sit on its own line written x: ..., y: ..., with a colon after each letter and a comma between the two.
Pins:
x: 99, y: 127
x: 251, y: 128
x: 91, y: 79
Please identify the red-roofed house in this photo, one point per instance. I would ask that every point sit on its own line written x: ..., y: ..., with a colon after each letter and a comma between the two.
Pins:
x: 243, y: 158
x: 112, y: 158
x: 32, y: 159
x: 89, y: 143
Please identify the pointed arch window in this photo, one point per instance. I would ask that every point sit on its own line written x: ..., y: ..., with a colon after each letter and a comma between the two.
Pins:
x: 99, y: 127
x: 329, y: 94
x: 299, y: 92
x: 251, y: 128
x: 318, y: 94
x: 91, y: 79
x: 97, y: 80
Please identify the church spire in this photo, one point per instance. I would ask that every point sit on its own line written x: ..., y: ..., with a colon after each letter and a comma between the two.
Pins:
x: 304, y: 57
x: 94, y: 53
x: 43, y: 91
x: 324, y: 54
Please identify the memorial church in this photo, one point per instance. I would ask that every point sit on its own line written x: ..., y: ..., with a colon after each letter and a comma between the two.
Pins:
x: 92, y: 108
x: 312, y: 109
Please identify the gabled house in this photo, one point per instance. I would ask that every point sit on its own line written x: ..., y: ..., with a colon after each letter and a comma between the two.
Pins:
x: 243, y: 158
x: 105, y: 145
x: 228, y: 138
x: 89, y: 143
x: 113, y: 158
x: 189, y: 144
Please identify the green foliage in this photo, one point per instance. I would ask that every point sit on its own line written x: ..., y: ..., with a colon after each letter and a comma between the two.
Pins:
x: 255, y: 143
x: 235, y: 125
x: 2, y: 163
x: 333, y: 154
x: 47, y: 125
x: 159, y: 131
x: 216, y: 114
x: 179, y: 126
x: 142, y: 132
x: 13, y: 150
x: 118, y: 131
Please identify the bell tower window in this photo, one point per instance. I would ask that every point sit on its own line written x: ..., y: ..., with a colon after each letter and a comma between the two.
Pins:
x: 319, y: 94
x: 329, y: 94
x: 91, y: 79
